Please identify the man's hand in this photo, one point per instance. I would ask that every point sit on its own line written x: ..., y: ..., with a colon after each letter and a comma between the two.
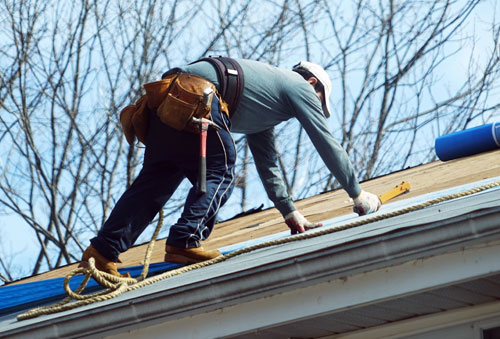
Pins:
x: 366, y: 203
x: 298, y: 223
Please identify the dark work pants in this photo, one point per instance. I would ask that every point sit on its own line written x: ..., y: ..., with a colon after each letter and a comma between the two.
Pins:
x: 170, y: 157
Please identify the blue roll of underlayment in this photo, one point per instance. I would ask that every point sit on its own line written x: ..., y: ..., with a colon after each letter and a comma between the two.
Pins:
x: 468, y: 142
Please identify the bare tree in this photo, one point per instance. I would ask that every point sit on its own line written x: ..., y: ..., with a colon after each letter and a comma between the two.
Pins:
x: 69, y: 67
x: 389, y: 61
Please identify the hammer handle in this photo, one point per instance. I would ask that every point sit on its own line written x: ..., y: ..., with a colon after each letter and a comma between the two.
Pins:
x: 202, y: 170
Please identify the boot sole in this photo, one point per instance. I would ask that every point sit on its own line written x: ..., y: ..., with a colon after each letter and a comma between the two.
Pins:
x: 180, y: 259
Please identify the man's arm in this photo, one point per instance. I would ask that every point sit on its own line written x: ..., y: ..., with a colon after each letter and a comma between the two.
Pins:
x: 266, y: 160
x: 307, y: 109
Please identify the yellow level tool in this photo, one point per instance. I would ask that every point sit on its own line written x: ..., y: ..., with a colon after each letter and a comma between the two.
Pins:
x: 399, y: 189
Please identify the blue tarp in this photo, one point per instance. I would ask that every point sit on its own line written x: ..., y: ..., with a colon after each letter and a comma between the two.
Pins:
x: 15, y: 298
x: 18, y: 297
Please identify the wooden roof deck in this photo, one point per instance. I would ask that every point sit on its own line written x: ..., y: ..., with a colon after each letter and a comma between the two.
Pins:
x: 423, y: 179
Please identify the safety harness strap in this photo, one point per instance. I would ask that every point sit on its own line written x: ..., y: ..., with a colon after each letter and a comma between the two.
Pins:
x: 231, y: 80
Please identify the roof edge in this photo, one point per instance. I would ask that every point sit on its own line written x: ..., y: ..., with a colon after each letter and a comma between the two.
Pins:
x: 328, y: 262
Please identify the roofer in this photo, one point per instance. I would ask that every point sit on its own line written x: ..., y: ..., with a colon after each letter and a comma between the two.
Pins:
x: 259, y: 96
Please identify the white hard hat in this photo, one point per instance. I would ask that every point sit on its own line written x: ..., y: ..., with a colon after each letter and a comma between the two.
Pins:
x: 319, y: 73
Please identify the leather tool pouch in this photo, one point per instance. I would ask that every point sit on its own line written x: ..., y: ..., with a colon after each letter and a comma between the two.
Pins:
x: 135, y: 121
x: 156, y: 91
x: 184, y: 100
x: 135, y: 118
x: 177, y: 98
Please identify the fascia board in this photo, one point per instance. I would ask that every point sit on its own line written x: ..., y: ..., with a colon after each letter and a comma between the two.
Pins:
x: 332, y: 296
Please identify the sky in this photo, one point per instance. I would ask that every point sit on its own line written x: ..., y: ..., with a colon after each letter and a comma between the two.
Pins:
x: 18, y: 244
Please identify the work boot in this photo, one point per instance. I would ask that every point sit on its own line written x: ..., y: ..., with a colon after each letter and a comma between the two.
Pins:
x: 101, y: 262
x: 179, y: 255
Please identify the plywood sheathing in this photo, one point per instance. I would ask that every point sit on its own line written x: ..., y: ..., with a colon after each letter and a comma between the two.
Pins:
x: 423, y: 179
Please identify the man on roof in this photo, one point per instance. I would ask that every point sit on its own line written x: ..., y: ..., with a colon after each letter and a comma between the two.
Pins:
x: 261, y: 97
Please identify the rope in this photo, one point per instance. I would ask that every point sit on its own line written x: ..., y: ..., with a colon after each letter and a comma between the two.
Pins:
x: 117, y: 285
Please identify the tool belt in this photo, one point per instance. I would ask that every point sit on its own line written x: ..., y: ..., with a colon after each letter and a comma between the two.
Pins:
x: 177, y: 98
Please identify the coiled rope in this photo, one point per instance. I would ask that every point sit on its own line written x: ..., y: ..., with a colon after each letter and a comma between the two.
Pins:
x: 117, y: 285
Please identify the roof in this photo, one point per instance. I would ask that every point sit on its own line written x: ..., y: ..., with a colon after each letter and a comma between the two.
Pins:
x: 434, y: 259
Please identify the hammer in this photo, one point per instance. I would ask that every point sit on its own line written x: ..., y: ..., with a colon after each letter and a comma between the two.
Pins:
x: 204, y: 124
